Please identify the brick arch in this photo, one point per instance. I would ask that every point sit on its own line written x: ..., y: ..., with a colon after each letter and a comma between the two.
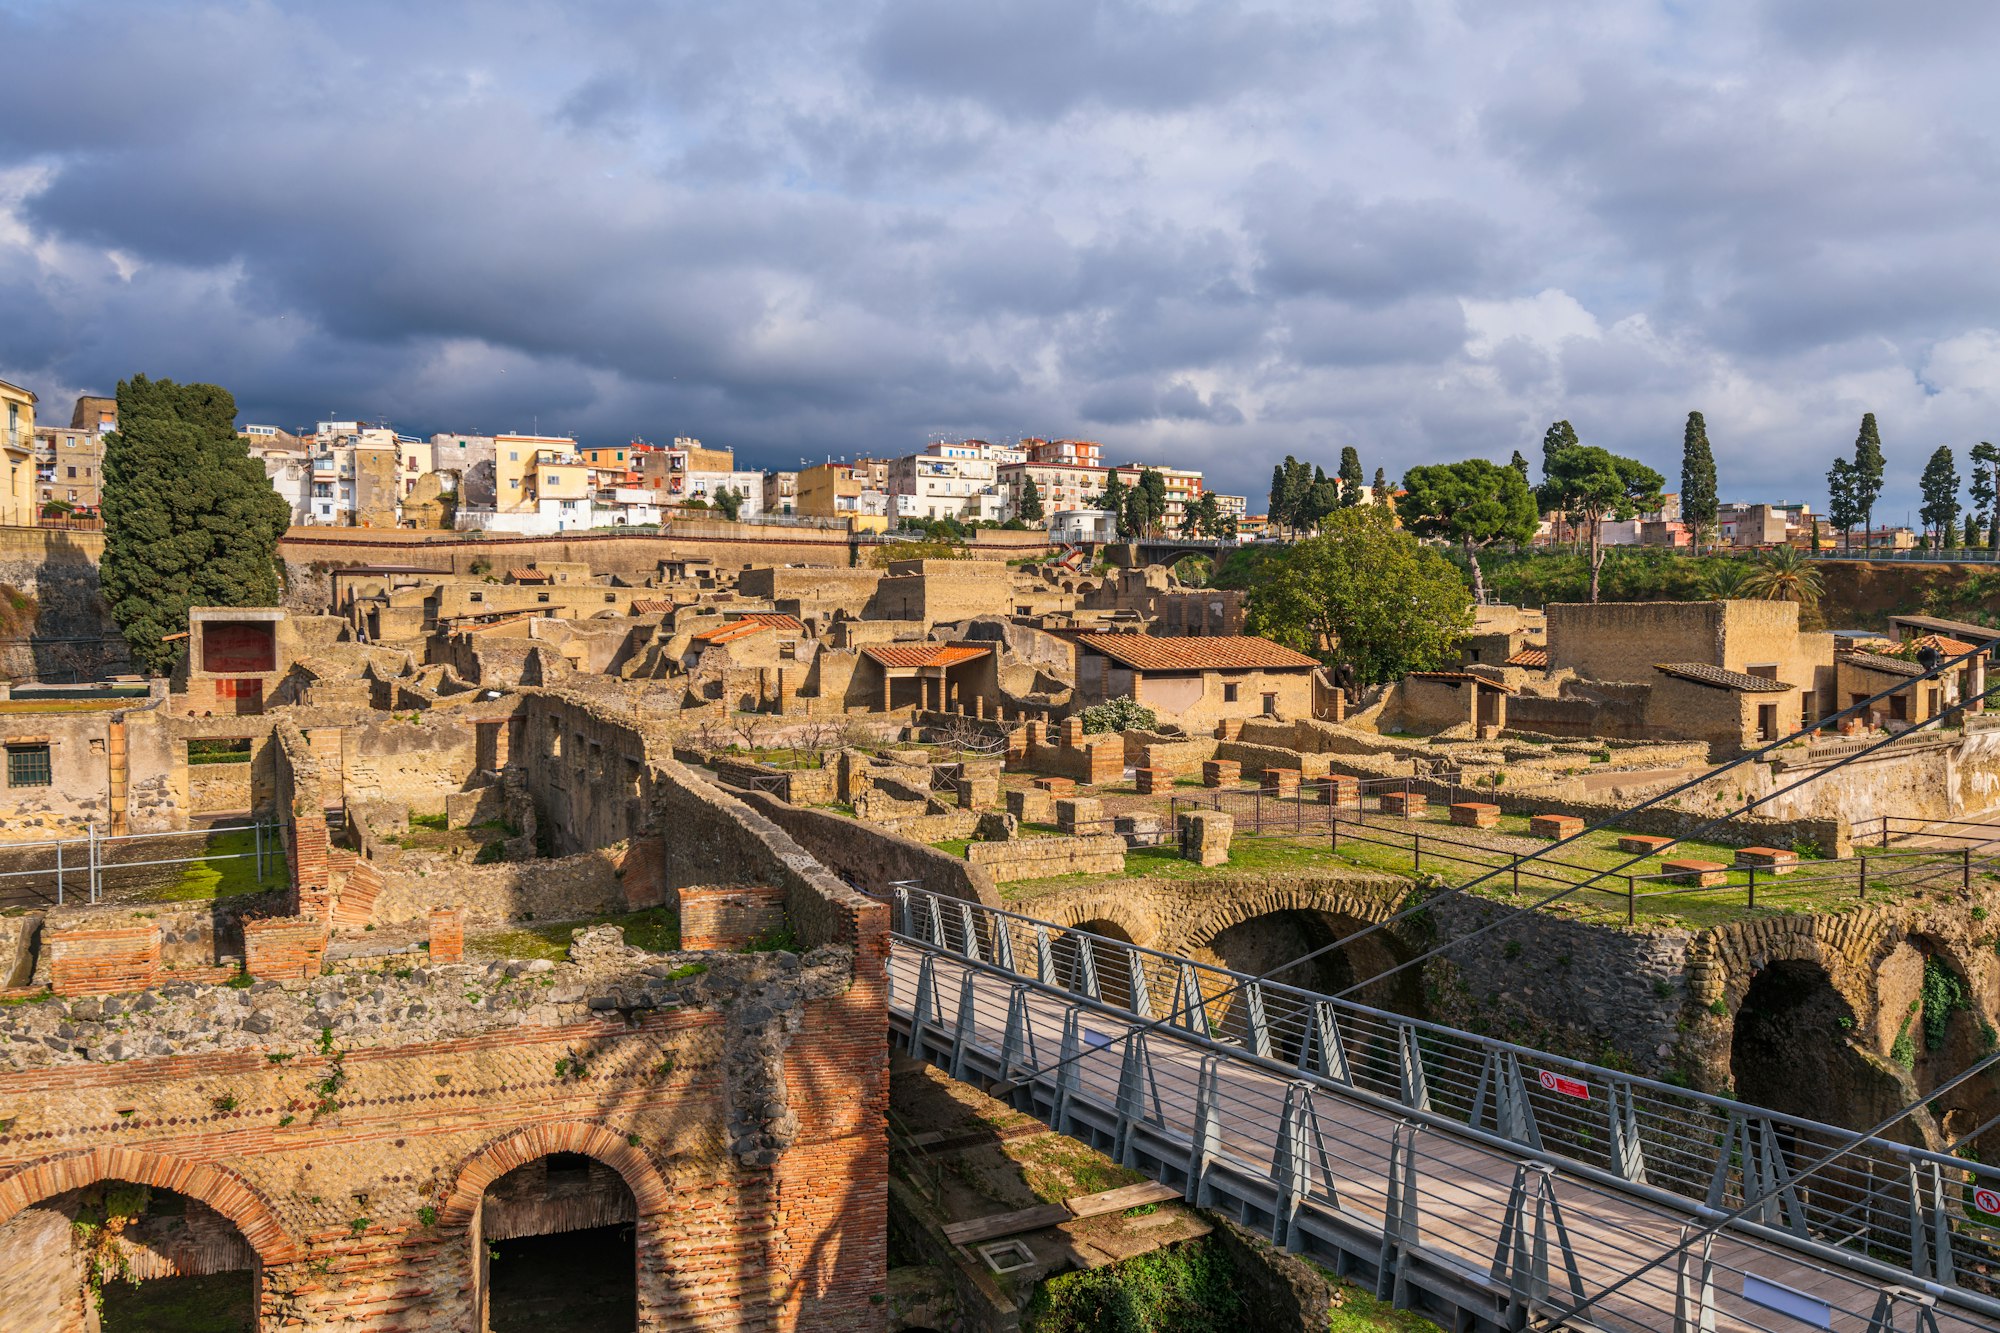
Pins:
x: 1726, y: 959
x: 221, y: 1189
x: 501, y: 1155
x: 1129, y: 912
x: 1218, y: 913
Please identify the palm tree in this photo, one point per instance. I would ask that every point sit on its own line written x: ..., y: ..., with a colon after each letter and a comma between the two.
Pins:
x: 1783, y: 574
x: 1727, y: 577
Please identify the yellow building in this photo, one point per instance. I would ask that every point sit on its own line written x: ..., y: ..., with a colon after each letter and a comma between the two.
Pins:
x: 822, y: 489
x: 17, y: 457
x: 516, y: 459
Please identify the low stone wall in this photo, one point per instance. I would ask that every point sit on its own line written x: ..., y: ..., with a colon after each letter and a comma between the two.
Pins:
x: 1042, y: 858
x: 1257, y: 758
x: 870, y: 855
x: 933, y: 828
x: 568, y: 888
x: 1832, y: 836
x: 218, y: 787
x: 1178, y: 757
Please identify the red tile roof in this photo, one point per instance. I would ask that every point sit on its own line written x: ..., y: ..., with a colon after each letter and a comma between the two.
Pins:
x: 731, y: 632
x: 530, y: 576
x: 1234, y: 652
x: 923, y: 654
x: 1537, y: 658
x: 1950, y: 647
x: 775, y: 621
x: 1703, y: 673
x: 652, y: 606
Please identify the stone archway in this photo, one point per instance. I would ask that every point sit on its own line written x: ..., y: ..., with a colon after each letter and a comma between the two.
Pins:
x: 221, y: 1189
x: 1258, y: 928
x: 573, y: 1146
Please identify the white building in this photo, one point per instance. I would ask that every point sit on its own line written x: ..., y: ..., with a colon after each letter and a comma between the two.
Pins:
x: 749, y: 485
x: 943, y: 487
x: 1080, y: 526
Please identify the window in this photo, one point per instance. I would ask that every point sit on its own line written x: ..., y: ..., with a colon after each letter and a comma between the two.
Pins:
x: 513, y: 483
x: 1229, y: 693
x: 28, y: 766
x: 1767, y: 722
x: 72, y: 472
x: 541, y: 597
x: 1767, y: 671
x: 513, y: 456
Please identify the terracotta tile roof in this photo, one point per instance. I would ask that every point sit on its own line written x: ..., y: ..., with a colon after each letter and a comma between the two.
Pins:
x: 1234, y: 652
x: 1530, y: 657
x: 1701, y: 673
x: 530, y: 576
x: 775, y: 621
x: 1891, y: 666
x: 1462, y: 676
x: 923, y: 654
x: 1958, y: 629
x: 731, y: 632
x: 653, y: 606
x: 1950, y: 647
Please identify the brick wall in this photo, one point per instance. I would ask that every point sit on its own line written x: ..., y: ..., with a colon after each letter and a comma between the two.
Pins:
x: 103, y: 961
x: 283, y: 948
x: 1039, y: 858
x: 729, y: 916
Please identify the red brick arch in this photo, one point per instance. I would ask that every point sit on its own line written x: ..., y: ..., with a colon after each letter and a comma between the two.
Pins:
x: 503, y: 1154
x: 219, y: 1188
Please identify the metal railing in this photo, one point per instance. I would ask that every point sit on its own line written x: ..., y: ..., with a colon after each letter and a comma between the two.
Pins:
x: 1298, y: 1061
x: 65, y: 870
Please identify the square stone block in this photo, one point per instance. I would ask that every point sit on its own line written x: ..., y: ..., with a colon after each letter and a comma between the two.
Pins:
x: 1153, y: 781
x: 1336, y: 789
x: 1221, y: 773
x: 1204, y: 836
x: 1642, y: 844
x: 1706, y: 874
x: 1057, y: 786
x: 1079, y: 814
x: 1281, y: 782
x: 1032, y: 806
x: 1475, y: 814
x: 1554, y: 827
x: 1777, y: 860
x: 1405, y: 804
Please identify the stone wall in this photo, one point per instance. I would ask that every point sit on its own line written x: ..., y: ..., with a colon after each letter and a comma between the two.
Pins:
x: 873, y: 857
x: 566, y: 888
x: 1043, y: 858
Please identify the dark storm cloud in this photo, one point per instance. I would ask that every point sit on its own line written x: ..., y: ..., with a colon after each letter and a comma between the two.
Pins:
x: 1212, y: 234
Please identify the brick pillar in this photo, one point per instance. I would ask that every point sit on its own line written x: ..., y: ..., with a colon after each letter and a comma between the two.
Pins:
x: 1079, y: 814
x: 447, y: 934
x: 1153, y: 781
x: 1072, y: 733
x: 979, y: 706
x: 1282, y: 782
x: 1221, y: 773
x: 117, y: 777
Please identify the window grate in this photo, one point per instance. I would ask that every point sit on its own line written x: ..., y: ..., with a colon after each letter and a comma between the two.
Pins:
x: 28, y: 766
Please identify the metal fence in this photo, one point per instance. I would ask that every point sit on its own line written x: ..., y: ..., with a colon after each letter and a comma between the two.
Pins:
x: 1321, y: 1101
x: 96, y: 866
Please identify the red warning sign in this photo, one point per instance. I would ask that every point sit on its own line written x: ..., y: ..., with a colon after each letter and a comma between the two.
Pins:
x: 1986, y: 1200
x: 1566, y: 1087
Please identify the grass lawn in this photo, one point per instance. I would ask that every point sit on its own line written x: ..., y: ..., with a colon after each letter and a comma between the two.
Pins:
x: 654, y: 929
x: 228, y: 869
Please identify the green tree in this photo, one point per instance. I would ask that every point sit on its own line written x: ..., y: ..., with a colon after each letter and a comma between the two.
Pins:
x: 1698, y: 499
x: 1519, y: 462
x: 1208, y: 516
x: 1291, y: 494
x: 1939, y: 486
x: 1594, y: 484
x: 730, y: 502
x: 1112, y: 499
x: 1029, y: 510
x: 1559, y: 436
x: 1986, y: 494
x: 1471, y: 504
x: 1322, y: 498
x: 1841, y: 509
x: 1782, y: 574
x: 1381, y: 486
x: 1364, y: 593
x: 189, y: 518
x: 1973, y: 534
x: 1350, y: 475
x: 1868, y: 471
x: 1154, y: 483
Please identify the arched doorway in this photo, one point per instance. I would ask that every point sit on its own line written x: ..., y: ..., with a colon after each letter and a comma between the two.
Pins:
x: 1111, y: 962
x: 1263, y: 945
x: 1791, y: 1052
x: 558, y: 1248
x: 152, y: 1260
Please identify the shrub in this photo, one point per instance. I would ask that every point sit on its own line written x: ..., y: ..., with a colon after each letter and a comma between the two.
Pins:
x: 1119, y: 715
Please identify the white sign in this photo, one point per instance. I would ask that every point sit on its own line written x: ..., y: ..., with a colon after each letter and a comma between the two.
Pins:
x: 1986, y: 1200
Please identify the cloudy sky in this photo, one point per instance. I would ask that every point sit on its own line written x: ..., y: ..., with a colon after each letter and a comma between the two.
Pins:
x: 1205, y: 233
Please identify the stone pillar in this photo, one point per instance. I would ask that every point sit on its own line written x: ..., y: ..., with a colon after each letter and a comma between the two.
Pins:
x: 886, y: 679
x: 1205, y: 835
x: 1079, y: 814
x: 1975, y: 685
x: 1337, y: 789
x: 447, y: 934
x: 1032, y: 806
x: 1072, y: 733
x: 979, y: 706
x: 1153, y: 781
x: 1221, y: 773
x: 1281, y: 782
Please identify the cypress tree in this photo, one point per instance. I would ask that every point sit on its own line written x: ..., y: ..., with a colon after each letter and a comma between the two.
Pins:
x: 189, y: 517
x: 1030, y: 508
x: 1381, y: 486
x: 1350, y: 475
x: 1698, y: 498
x: 1520, y: 464
x: 1939, y: 485
x: 1868, y: 470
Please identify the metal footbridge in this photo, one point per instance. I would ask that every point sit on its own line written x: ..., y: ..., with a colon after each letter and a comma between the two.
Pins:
x: 1489, y: 1185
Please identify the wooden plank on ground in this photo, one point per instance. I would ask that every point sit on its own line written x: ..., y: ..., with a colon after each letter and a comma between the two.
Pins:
x: 1005, y: 1224
x: 1118, y: 1200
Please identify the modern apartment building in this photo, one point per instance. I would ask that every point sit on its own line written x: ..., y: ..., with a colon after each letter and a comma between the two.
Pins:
x: 1062, y: 486
x: 932, y: 487
x: 69, y: 467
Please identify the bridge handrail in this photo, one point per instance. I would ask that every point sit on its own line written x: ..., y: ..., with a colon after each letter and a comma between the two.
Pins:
x: 1680, y: 1145
x: 1157, y: 1124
